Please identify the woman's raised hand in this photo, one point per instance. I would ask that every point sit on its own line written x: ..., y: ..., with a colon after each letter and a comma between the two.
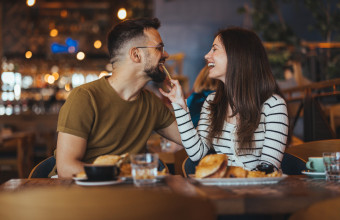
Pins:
x: 175, y: 94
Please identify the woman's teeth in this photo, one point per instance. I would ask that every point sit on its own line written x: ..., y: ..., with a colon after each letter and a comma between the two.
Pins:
x: 211, y: 64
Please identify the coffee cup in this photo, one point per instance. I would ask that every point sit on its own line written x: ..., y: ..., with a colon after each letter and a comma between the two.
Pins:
x: 101, y: 172
x: 315, y: 164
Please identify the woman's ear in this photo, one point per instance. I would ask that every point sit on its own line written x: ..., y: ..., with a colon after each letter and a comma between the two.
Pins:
x: 135, y: 55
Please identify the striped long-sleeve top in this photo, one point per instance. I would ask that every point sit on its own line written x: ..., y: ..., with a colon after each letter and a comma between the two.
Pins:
x: 269, y: 138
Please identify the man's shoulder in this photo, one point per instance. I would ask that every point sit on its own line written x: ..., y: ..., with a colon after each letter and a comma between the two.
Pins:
x: 96, y: 84
x: 90, y: 87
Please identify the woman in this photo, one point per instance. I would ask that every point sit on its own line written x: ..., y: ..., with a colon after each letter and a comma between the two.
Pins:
x: 246, y: 118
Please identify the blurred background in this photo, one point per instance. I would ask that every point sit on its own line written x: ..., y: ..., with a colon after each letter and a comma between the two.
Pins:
x: 48, y: 47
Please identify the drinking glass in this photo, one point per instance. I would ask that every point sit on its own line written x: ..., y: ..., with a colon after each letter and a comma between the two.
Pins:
x: 144, y: 169
x: 332, y: 165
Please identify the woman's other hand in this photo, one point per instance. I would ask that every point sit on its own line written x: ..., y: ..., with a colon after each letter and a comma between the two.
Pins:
x: 175, y: 94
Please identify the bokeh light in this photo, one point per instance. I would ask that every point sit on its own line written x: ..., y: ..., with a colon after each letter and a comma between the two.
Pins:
x: 122, y: 14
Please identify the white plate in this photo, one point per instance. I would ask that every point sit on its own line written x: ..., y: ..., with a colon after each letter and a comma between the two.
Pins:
x: 314, y: 174
x: 79, y: 178
x: 97, y: 183
x: 129, y: 178
x: 239, y: 181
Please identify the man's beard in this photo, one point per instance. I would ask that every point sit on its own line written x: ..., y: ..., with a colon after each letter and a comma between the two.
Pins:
x: 155, y: 74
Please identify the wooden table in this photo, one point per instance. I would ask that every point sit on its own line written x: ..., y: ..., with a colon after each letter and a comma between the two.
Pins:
x: 286, y: 197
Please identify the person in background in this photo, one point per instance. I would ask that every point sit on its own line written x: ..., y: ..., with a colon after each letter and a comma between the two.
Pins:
x: 115, y: 115
x: 203, y: 86
x: 293, y: 76
x: 246, y: 118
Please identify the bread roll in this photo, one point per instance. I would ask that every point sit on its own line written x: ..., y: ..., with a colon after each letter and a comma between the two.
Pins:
x: 107, y: 160
x: 236, y: 172
x: 212, y: 165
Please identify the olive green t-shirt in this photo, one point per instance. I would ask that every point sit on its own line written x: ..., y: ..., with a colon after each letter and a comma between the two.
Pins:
x: 111, y: 125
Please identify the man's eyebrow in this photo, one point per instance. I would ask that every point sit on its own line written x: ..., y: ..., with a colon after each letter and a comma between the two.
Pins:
x: 215, y: 45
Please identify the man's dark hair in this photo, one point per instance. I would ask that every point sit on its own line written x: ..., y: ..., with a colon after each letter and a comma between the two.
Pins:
x: 126, y: 31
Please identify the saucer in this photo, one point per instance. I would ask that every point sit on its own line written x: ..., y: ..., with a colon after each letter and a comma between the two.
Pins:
x: 313, y: 174
x: 129, y: 178
x: 86, y: 182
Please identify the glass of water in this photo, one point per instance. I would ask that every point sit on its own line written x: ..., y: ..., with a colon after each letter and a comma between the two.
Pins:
x: 144, y: 169
x: 332, y: 165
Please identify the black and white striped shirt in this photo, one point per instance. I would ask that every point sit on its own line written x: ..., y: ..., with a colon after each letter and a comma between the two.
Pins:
x: 270, y: 137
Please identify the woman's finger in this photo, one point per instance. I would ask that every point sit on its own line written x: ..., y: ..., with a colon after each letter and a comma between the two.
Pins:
x: 162, y: 92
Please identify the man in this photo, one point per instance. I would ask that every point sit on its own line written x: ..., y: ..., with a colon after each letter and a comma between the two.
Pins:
x: 115, y: 115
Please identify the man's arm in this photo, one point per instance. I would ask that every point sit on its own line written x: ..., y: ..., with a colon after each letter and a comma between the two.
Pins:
x: 171, y: 133
x: 70, y: 151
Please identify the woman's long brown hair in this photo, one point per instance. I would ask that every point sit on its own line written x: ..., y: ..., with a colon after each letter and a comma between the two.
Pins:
x: 249, y: 82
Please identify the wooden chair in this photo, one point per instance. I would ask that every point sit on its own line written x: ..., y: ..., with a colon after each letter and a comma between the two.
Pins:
x: 292, y: 165
x: 43, y: 168
x: 16, y: 150
x: 334, y: 116
x: 162, y: 165
x: 119, y: 202
x: 314, y: 148
x: 189, y: 167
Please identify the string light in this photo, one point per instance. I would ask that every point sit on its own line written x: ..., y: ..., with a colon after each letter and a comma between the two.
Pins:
x: 46, y: 76
x: 55, y: 75
x: 54, y: 32
x: 30, y: 3
x: 80, y: 55
x: 103, y: 73
x: 63, y: 13
x: 28, y: 54
x: 97, y: 44
x: 68, y: 87
x: 121, y: 13
x: 50, y: 79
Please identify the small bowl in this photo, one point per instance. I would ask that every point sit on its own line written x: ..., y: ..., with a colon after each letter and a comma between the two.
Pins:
x: 101, y: 172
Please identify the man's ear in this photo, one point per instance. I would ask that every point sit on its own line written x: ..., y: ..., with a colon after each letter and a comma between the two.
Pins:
x: 135, y: 55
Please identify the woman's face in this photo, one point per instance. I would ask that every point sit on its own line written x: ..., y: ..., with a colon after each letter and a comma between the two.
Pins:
x: 217, y: 60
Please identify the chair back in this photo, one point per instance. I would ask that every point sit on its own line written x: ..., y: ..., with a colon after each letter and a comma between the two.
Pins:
x: 314, y: 148
x: 292, y: 165
x: 162, y: 165
x: 43, y: 168
x: 189, y: 167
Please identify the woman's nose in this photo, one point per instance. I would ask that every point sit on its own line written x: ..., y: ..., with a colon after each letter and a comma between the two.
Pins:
x: 207, y: 56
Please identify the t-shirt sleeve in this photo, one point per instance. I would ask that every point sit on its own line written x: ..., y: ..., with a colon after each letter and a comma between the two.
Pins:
x: 77, y: 114
x: 164, y: 115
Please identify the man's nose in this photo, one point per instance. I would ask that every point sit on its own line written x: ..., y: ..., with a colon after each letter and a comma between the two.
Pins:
x: 165, y: 54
